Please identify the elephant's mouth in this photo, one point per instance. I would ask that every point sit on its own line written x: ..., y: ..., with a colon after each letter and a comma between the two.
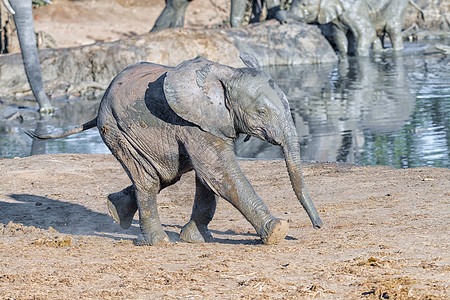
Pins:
x: 268, y: 137
x: 262, y: 134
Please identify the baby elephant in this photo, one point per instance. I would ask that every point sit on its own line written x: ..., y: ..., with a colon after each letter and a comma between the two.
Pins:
x: 161, y: 122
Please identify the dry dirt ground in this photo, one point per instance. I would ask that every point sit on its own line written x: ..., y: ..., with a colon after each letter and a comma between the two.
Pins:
x: 81, y: 22
x: 385, y: 236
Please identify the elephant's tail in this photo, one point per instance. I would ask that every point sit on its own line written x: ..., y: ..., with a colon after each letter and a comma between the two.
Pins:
x: 418, y: 8
x: 92, y: 123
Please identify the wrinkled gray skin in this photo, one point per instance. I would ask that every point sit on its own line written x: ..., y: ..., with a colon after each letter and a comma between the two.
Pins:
x: 161, y: 122
x: 175, y: 10
x: 172, y: 16
x: 274, y: 11
x: 23, y: 19
x: 355, y: 24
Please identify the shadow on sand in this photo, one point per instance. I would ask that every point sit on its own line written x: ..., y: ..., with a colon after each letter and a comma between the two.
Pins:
x: 74, y: 219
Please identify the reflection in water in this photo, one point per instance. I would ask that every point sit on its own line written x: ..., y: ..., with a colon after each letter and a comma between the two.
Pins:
x: 388, y: 109
x: 37, y: 146
x: 15, y: 143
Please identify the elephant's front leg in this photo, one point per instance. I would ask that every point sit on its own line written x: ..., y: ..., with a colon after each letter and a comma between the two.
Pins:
x: 23, y: 18
x: 196, y: 231
x: 215, y: 164
x: 151, y: 229
x: 340, y: 39
x: 275, y: 11
x: 365, y: 35
x: 363, y: 32
x: 237, y: 12
x: 395, y: 35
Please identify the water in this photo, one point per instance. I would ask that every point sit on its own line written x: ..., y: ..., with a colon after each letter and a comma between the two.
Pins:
x: 385, y: 110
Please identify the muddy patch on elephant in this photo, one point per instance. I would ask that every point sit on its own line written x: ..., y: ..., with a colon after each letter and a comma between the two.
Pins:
x: 384, y: 235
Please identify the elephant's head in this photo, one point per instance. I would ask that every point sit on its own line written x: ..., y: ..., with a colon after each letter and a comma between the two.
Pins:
x: 320, y: 11
x: 226, y: 102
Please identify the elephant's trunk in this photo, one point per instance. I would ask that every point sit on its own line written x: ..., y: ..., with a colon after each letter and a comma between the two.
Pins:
x: 291, y: 149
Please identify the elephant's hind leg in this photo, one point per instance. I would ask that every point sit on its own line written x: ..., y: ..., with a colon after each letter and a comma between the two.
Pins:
x: 146, y: 185
x: 196, y: 230
x: 122, y: 206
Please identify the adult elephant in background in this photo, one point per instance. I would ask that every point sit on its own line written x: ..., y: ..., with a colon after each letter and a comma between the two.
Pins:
x: 161, y: 122
x: 356, y: 25
x: 175, y: 10
x: 172, y: 16
x: 23, y: 19
x: 238, y: 10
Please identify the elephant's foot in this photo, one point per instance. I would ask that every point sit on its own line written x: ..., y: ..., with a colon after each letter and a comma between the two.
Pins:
x: 122, y: 206
x: 274, y: 231
x: 150, y: 239
x: 47, y: 109
x: 193, y: 233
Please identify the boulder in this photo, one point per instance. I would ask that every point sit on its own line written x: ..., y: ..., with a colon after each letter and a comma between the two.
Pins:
x: 436, y: 15
x: 79, y: 69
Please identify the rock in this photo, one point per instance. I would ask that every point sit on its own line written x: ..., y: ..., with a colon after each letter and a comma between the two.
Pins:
x: 97, y: 64
x: 436, y: 15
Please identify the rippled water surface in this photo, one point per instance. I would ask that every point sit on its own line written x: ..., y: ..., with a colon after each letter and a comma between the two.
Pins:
x: 384, y: 110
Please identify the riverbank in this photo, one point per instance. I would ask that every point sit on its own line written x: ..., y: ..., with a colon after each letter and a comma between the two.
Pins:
x: 385, y: 235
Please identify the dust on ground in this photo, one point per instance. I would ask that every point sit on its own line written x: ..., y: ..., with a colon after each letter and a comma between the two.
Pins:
x: 385, y: 235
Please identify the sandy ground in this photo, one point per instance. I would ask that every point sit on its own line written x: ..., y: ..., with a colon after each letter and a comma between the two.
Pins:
x: 83, y: 22
x: 385, y: 236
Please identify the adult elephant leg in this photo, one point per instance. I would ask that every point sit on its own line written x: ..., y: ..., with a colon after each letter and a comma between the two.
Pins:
x: 23, y: 18
x: 274, y: 11
x: 172, y: 15
x: 365, y: 35
x: 237, y: 12
x: 395, y: 35
x: 196, y: 231
x: 215, y: 164
x: 378, y: 43
x: 341, y: 41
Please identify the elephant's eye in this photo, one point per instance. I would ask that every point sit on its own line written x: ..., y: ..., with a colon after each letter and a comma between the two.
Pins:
x: 262, y: 112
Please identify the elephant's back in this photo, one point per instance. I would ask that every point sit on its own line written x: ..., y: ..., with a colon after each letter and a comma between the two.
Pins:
x: 127, y: 90
x: 132, y: 83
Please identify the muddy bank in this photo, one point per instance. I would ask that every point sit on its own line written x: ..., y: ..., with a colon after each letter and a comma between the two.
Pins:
x: 385, y: 235
x: 76, y: 70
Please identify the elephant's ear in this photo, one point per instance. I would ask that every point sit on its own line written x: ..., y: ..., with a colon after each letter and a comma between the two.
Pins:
x: 195, y: 92
x: 250, y: 60
x: 329, y: 11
